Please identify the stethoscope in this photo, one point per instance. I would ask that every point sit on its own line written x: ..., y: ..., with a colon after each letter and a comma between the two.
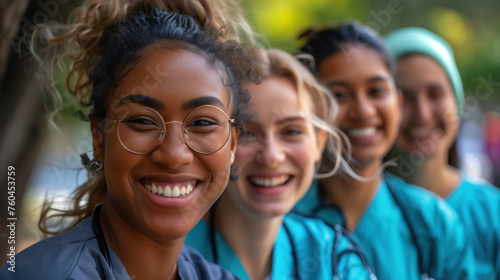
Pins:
x: 358, y: 248
x: 339, y: 232
x: 354, y: 246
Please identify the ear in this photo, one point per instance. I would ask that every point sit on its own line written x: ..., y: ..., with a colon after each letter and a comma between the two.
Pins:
x: 97, y: 140
x: 321, y: 137
x: 235, y: 133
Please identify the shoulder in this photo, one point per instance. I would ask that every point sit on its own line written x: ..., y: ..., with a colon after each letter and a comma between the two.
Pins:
x: 308, y: 229
x: 58, y: 257
x: 417, y: 197
x: 313, y: 233
x: 480, y: 188
x: 477, y: 202
x: 424, y: 207
x: 192, y: 265
x: 322, y: 247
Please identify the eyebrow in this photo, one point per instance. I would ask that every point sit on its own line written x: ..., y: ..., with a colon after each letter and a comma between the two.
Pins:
x: 205, y: 100
x: 284, y: 121
x: 376, y: 78
x: 143, y: 100
x: 292, y: 119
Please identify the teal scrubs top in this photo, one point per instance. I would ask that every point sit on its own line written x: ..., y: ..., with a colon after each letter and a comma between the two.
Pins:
x: 393, y: 246
x: 478, y: 205
x: 309, y: 239
x: 75, y: 255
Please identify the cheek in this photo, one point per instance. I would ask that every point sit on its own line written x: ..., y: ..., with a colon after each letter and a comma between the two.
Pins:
x: 244, y: 154
x: 117, y: 161
x: 406, y: 115
x: 218, y: 166
x: 303, y: 155
x: 341, y: 115
x: 394, y: 114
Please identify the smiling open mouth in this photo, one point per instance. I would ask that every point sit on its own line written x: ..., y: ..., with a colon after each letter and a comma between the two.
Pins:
x: 269, y: 182
x: 362, y: 132
x: 173, y: 190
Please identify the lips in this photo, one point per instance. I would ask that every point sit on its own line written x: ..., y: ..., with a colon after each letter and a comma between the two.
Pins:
x: 269, y: 182
x: 173, y: 190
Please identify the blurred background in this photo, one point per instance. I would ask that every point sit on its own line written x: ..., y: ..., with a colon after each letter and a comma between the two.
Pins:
x: 45, y: 154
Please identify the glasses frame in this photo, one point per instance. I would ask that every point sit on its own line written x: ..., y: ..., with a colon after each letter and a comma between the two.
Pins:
x: 162, y: 132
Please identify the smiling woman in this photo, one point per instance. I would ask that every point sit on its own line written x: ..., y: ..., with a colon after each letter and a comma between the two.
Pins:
x: 250, y: 232
x: 434, y: 98
x: 167, y: 105
x: 400, y: 226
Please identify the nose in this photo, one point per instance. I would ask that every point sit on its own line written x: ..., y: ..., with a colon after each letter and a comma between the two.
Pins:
x: 422, y: 110
x: 361, y: 107
x: 271, y: 152
x: 173, y: 151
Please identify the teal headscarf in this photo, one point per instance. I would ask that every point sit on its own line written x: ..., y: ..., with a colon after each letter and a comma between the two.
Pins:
x: 418, y: 40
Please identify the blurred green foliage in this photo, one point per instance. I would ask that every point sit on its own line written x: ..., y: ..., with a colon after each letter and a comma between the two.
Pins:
x: 471, y: 27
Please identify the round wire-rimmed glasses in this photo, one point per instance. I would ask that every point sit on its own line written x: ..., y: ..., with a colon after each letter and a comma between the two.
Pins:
x: 205, y: 130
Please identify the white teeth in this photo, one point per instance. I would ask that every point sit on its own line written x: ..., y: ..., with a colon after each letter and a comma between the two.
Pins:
x: 176, y: 192
x: 269, y: 182
x: 362, y: 132
x: 169, y: 191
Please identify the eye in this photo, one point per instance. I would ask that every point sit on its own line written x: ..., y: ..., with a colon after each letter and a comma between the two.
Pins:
x: 292, y: 132
x: 202, y: 123
x: 378, y: 91
x: 340, y: 95
x: 435, y: 93
x: 140, y: 120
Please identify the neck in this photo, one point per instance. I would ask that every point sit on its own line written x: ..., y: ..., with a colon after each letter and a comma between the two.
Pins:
x: 350, y: 195
x: 251, y: 238
x: 435, y: 175
x: 142, y: 256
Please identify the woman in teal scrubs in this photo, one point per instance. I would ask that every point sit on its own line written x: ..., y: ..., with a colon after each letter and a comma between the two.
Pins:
x: 247, y: 231
x: 433, y: 100
x: 407, y: 232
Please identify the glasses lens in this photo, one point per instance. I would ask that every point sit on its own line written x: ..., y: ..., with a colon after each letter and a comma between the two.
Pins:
x: 140, y: 130
x: 206, y: 129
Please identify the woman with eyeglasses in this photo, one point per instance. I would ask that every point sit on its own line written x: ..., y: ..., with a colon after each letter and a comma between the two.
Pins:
x: 166, y: 108
x: 247, y: 231
x: 433, y: 100
x: 406, y: 231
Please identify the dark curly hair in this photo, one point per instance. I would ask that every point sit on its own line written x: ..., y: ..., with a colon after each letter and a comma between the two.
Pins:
x: 115, y: 52
x: 121, y: 49
x: 326, y: 42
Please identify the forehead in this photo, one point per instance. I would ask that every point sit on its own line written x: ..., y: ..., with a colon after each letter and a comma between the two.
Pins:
x: 355, y: 62
x: 418, y: 69
x: 173, y: 76
x: 275, y: 99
